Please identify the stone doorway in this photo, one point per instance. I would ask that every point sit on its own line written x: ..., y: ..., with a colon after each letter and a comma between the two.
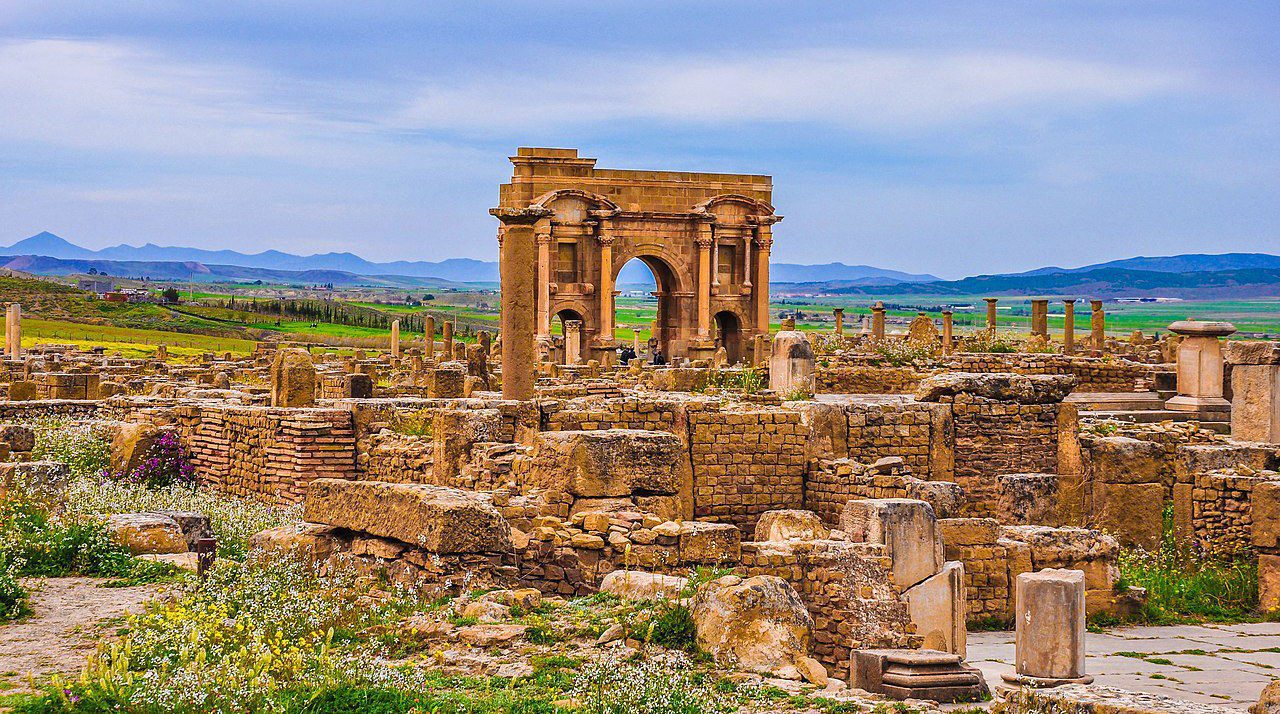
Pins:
x: 729, y: 335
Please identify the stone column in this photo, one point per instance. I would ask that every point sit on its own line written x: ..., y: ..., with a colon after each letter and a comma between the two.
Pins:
x: 715, y: 262
x: 1068, y: 326
x: 948, y: 331
x: 429, y: 336
x: 606, y: 239
x: 395, y: 338
x: 518, y: 321
x: 446, y: 339
x: 1097, y: 327
x: 746, y: 264
x: 1255, y: 390
x: 791, y: 363
x: 704, y: 280
x: 1040, y: 318
x: 13, y: 331
x: 572, y: 341
x: 764, y: 244
x: 991, y: 312
x: 543, y: 236
x: 1049, y: 637
x: 877, y: 321
x: 839, y: 314
x: 1200, y: 366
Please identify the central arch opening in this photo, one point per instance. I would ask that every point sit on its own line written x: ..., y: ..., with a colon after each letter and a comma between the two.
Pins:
x: 642, y: 309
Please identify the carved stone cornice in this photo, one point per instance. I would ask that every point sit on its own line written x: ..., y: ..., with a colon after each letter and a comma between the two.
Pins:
x: 520, y: 216
x: 764, y: 220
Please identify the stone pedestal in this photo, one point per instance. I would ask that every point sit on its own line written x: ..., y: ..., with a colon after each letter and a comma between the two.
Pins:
x: 1200, y: 366
x: 792, y: 364
x: 1050, y: 616
x: 1255, y: 390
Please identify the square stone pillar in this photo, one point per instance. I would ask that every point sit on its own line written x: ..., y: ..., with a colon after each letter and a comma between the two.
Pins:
x: 991, y: 312
x: 1255, y: 390
x: 1068, y: 326
x: 1050, y: 626
x: 1097, y: 327
x: 1200, y: 366
x: 1040, y: 318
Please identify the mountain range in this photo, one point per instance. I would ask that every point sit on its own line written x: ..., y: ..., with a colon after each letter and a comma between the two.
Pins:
x: 129, y: 260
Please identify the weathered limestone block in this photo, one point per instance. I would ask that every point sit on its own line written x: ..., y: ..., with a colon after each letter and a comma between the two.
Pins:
x: 448, y: 381
x: 758, y: 623
x: 908, y: 530
x: 307, y: 541
x: 20, y: 438
x: 938, y: 608
x: 640, y: 585
x: 790, y: 524
x: 455, y: 431
x: 709, y: 543
x: 609, y: 462
x: 194, y: 525
x: 357, y: 386
x: 22, y: 391
x: 1269, y: 701
x: 36, y: 478
x: 1090, y: 551
x: 1268, y: 582
x: 1132, y: 512
x: 130, y: 445
x: 1049, y: 639
x: 293, y: 379
x: 1028, y: 499
x: 147, y: 533
x: 434, y: 518
x: 1255, y: 387
x: 999, y: 386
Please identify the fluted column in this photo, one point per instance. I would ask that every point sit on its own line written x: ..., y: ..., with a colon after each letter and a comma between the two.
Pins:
x: 704, y: 280
x: 606, y: 239
x: 542, y: 234
x: 764, y: 244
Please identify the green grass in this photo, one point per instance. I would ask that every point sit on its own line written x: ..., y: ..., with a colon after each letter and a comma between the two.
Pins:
x: 131, y: 342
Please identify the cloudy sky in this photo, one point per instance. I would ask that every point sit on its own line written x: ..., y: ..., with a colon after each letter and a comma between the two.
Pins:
x: 952, y: 137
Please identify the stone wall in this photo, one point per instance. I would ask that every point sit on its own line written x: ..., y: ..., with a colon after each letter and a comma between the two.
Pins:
x: 832, y: 483
x: 850, y: 379
x: 1093, y: 374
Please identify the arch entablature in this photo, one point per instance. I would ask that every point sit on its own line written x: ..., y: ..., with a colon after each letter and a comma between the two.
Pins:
x: 733, y: 205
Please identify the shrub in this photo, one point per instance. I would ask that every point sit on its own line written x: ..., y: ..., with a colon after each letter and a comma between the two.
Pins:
x: 671, y: 626
x: 56, y: 545
x: 900, y: 353
x: 987, y: 341
x: 747, y: 381
x: 415, y: 423
x: 167, y: 464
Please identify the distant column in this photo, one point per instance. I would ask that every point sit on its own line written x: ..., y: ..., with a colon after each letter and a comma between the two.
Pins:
x: 395, y: 338
x: 877, y: 321
x: 446, y: 339
x: 1040, y: 318
x: 13, y: 331
x: 1098, y: 327
x: 572, y: 341
x: 948, y: 330
x: 429, y: 336
x: 1068, y: 326
x: 839, y: 314
x: 991, y: 312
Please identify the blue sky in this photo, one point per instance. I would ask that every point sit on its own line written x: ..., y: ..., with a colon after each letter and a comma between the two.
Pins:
x: 953, y: 138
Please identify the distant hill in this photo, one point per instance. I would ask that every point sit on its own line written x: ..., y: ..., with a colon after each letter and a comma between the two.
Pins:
x: 454, y: 269
x: 460, y: 270
x: 1100, y: 283
x: 1186, y: 263
x: 192, y: 271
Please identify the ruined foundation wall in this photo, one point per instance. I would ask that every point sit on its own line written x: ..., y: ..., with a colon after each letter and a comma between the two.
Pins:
x: 1094, y: 374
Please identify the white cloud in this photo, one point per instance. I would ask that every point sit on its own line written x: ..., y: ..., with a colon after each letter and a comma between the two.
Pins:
x: 869, y: 90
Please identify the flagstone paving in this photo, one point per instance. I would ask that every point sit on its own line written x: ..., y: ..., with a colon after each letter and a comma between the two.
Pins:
x: 1227, y: 665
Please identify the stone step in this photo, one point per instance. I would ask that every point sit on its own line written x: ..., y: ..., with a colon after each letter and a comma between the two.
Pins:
x: 1217, y: 424
x: 916, y: 681
x: 1116, y: 401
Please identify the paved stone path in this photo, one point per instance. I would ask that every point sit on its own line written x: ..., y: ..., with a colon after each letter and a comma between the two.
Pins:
x: 1227, y: 665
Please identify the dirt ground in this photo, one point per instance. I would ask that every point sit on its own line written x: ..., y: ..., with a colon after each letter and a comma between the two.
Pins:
x: 71, y: 615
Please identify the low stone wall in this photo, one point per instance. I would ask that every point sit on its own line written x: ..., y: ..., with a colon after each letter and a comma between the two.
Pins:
x: 849, y: 379
x: 1093, y: 374
x: 832, y: 483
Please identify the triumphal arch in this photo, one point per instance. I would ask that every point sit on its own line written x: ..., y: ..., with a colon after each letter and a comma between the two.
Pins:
x: 705, y: 236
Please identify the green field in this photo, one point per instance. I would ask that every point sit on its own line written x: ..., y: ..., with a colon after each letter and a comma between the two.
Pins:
x: 130, y: 342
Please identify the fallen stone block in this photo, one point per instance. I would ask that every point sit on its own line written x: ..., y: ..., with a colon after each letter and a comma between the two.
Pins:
x: 906, y: 527
x: 434, y: 518
x: 146, y: 533
x: 709, y: 543
x: 759, y: 623
x: 790, y: 524
x: 641, y: 585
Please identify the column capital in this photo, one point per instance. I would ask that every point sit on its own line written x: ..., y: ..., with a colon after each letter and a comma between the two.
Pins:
x: 542, y: 238
x: 702, y: 243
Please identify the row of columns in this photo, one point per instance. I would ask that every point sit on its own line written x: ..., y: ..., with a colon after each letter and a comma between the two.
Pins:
x: 1039, y: 321
x: 709, y: 271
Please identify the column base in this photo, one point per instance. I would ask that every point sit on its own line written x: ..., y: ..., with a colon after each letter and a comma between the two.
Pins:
x: 1187, y: 403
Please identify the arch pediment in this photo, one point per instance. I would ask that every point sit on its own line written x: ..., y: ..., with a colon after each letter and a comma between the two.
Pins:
x: 752, y: 205
x: 595, y: 200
